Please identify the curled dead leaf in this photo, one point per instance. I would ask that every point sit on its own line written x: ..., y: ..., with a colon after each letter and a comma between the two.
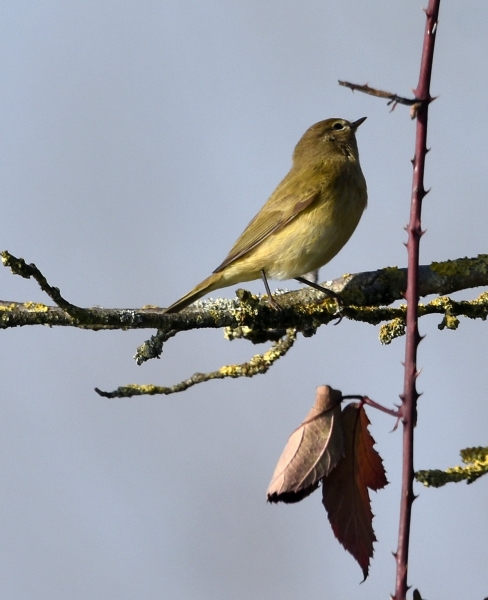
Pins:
x: 312, y: 451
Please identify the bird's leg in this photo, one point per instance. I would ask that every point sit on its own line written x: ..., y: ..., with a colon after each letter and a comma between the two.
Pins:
x: 271, y: 300
x: 318, y: 287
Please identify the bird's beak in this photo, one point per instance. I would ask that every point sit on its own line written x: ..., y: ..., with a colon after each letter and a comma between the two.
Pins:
x: 357, y: 123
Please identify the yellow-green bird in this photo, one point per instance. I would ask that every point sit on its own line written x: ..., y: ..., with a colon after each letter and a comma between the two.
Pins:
x: 307, y: 219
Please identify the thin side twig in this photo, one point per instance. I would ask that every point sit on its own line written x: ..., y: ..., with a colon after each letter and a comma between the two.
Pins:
x: 259, y: 364
x: 20, y: 267
x: 392, y: 98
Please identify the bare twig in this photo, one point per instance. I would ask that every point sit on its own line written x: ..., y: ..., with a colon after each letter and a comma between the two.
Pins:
x: 394, y: 99
x: 259, y: 364
x: 20, y: 267
x: 410, y: 394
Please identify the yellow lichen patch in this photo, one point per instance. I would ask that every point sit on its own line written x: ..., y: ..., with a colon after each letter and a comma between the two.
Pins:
x: 9, y: 307
x: 442, y: 301
x: 449, y: 322
x: 260, y: 363
x: 234, y: 333
x: 137, y: 389
x: 35, y: 307
x: 481, y: 299
x: 327, y: 305
x: 390, y: 278
x: 231, y: 370
x: 389, y: 331
x: 393, y: 274
x: 461, y: 267
x: 476, y: 461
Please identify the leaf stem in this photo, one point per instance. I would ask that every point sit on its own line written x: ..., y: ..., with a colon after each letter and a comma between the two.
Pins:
x: 369, y: 402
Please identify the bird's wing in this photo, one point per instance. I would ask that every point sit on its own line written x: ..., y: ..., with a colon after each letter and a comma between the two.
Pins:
x: 268, y: 220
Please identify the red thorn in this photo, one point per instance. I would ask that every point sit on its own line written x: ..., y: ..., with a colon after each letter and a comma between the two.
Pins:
x: 395, y: 427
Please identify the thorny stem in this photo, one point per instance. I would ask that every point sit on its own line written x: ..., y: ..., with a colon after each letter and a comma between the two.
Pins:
x: 410, y: 394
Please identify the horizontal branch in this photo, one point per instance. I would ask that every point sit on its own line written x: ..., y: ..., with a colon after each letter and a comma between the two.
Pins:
x: 305, y: 309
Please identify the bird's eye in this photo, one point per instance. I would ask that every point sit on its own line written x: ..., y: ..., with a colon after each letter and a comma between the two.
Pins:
x: 337, y: 126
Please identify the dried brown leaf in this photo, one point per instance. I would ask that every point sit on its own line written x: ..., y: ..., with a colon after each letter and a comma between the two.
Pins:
x: 345, y: 490
x: 312, y: 450
x: 371, y: 469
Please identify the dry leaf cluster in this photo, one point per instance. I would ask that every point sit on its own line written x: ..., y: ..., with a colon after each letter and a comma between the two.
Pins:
x: 333, y: 447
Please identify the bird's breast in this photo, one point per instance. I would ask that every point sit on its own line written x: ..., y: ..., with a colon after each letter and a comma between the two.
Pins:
x: 317, y: 234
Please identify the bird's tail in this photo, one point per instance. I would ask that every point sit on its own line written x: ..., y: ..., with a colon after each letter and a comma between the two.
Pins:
x: 214, y: 282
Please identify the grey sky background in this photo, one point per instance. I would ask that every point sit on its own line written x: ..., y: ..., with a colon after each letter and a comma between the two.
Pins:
x: 137, y: 140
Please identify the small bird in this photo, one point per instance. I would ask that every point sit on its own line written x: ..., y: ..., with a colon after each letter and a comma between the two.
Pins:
x: 306, y: 221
